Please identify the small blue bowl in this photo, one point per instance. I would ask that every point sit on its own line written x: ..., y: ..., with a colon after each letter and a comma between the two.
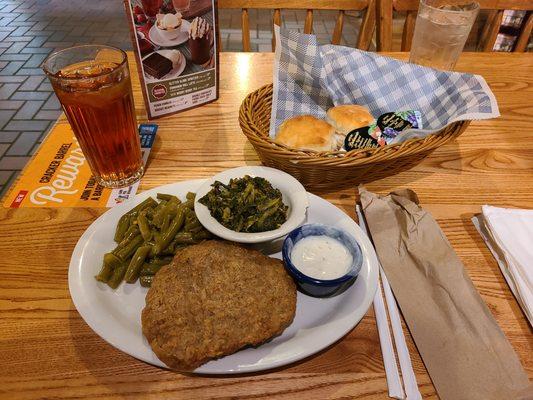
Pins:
x: 320, y: 287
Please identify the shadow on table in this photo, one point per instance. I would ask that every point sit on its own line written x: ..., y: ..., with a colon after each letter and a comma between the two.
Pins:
x: 120, y: 375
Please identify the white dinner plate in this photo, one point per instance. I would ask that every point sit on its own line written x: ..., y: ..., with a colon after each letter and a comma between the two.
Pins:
x: 115, y: 315
x: 182, y: 37
x: 176, y: 70
x: 294, y: 196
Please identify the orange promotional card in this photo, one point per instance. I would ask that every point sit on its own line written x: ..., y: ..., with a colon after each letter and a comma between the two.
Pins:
x: 59, y: 175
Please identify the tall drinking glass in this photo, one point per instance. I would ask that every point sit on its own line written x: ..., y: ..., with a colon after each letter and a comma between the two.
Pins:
x: 151, y: 7
x: 93, y: 85
x: 181, y: 5
x: 440, y: 33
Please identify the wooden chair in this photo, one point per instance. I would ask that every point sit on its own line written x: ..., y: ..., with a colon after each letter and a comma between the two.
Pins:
x: 385, y: 9
x: 365, y: 33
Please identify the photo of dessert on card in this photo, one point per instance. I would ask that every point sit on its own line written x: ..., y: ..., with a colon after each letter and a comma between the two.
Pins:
x: 163, y: 64
x: 200, y: 41
x: 174, y: 39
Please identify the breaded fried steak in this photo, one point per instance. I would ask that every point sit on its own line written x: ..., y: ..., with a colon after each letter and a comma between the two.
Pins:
x: 213, y: 299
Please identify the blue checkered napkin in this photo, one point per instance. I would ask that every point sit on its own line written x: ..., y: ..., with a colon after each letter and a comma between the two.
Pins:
x: 310, y: 78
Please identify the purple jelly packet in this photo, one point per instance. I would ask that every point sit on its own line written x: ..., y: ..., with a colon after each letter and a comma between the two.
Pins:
x: 392, y: 123
x: 384, y: 130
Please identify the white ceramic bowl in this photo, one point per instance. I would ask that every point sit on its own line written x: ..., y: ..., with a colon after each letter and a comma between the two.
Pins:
x: 169, y: 33
x: 294, y: 195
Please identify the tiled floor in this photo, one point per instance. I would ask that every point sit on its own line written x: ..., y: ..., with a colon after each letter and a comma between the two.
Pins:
x: 31, y: 29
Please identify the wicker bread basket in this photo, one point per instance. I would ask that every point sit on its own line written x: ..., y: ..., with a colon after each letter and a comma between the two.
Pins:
x: 333, y: 170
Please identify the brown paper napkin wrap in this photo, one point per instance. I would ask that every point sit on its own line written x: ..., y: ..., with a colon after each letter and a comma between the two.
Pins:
x: 465, y: 352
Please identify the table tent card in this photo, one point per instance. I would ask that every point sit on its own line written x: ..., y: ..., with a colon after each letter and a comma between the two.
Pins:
x: 176, y: 53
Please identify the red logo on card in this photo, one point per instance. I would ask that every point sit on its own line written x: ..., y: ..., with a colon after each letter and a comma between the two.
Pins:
x: 18, y: 200
x: 159, y: 91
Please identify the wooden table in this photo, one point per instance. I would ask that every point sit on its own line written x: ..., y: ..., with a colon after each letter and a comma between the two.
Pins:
x: 47, y: 350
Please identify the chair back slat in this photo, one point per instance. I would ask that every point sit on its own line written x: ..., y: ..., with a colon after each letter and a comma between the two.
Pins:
x: 486, y: 27
x: 245, y: 30
x: 366, y: 30
x: 219, y: 43
x: 492, y: 32
x: 408, y: 30
x: 337, y: 31
x: 523, y: 38
x: 368, y: 26
x: 276, y: 20
x: 357, y: 5
x: 412, y: 5
x: 384, y: 25
x: 308, y: 26
x: 385, y: 9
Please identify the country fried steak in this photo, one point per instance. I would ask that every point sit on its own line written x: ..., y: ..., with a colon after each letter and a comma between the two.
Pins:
x: 213, y: 299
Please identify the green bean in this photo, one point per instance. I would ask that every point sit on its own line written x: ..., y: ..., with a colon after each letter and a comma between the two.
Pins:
x: 122, y: 227
x: 169, y: 251
x: 150, y: 269
x: 136, y: 263
x: 196, y: 229
x: 167, y: 197
x: 110, y: 263
x: 144, y: 227
x: 149, y: 202
x: 193, y: 224
x: 146, y: 281
x: 105, y: 273
x: 133, y: 231
x: 184, y: 238
x: 160, y: 206
x: 202, y: 235
x: 169, y: 209
x: 112, y: 260
x: 160, y: 261
x: 118, y: 275
x: 125, y: 252
x: 166, y: 223
x: 149, y: 213
x: 168, y: 235
x: 189, y: 204
x: 148, y: 237
x: 177, y: 246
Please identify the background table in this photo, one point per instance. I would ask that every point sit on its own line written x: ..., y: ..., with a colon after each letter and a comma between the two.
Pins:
x: 47, y: 350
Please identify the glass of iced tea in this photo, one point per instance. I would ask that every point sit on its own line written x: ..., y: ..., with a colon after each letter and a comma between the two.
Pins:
x: 93, y: 85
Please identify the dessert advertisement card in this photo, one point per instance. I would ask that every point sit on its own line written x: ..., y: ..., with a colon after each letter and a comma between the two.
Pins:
x: 175, y: 45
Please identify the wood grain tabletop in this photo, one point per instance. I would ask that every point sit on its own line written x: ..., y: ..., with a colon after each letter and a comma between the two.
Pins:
x: 47, y: 351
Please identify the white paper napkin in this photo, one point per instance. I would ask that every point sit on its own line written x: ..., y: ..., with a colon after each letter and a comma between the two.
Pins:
x: 510, y: 234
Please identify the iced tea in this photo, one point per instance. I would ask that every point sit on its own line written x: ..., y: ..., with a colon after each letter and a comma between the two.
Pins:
x: 95, y: 92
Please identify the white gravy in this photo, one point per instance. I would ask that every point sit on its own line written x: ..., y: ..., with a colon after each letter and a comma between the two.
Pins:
x: 321, y: 257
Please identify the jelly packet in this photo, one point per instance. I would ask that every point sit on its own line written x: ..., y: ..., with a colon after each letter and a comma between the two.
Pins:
x: 384, y: 130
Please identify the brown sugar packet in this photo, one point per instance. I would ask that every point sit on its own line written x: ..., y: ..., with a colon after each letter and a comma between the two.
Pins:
x: 465, y: 352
